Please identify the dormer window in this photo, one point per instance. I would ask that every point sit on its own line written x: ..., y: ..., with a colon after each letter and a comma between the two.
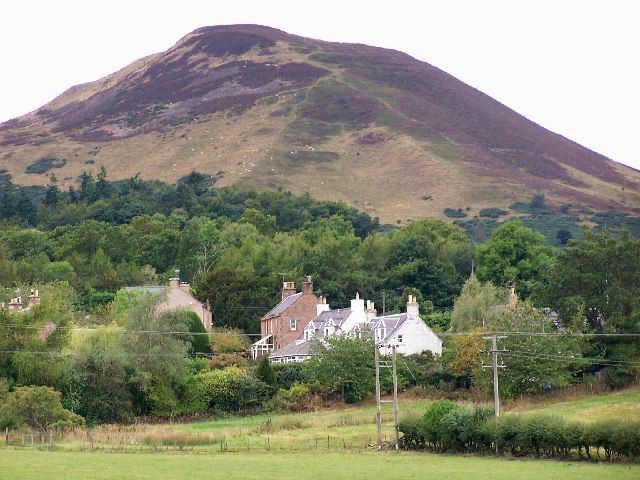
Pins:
x: 308, y: 334
x: 328, y: 331
x: 293, y: 324
x: 380, y: 334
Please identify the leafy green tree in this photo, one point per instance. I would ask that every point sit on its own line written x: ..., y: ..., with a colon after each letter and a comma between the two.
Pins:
x: 266, y: 224
x: 535, y: 362
x: 346, y: 365
x: 475, y: 305
x: 39, y: 408
x: 596, y: 285
x: 265, y: 372
x: 52, y: 193
x: 237, y: 300
x: 515, y: 254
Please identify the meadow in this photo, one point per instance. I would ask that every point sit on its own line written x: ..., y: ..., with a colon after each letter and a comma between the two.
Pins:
x: 38, y: 464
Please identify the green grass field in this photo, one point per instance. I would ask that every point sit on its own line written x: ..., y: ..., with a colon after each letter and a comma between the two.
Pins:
x: 39, y: 464
x: 623, y: 404
x: 327, y: 444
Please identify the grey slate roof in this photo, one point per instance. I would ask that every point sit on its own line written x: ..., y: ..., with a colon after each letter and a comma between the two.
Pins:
x: 293, y: 349
x: 392, y: 323
x: 338, y: 316
x: 282, y: 306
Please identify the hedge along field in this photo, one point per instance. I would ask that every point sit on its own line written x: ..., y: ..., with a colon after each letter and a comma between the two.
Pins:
x: 49, y: 465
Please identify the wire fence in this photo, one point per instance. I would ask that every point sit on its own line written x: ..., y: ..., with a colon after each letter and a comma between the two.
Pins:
x: 87, y: 441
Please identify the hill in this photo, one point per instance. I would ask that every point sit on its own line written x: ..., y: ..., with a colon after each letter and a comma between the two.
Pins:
x: 255, y: 106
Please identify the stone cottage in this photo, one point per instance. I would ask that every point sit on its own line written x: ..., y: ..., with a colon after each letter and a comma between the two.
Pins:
x: 177, y: 295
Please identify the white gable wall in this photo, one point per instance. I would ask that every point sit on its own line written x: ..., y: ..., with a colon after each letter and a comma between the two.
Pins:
x: 417, y: 337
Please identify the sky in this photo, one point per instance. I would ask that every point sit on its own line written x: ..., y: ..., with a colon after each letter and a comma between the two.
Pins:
x: 570, y: 66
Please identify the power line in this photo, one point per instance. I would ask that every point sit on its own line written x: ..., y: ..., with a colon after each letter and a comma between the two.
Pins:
x: 441, y: 334
x: 600, y: 361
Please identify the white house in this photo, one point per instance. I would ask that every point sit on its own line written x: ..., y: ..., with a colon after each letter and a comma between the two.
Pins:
x: 406, y: 330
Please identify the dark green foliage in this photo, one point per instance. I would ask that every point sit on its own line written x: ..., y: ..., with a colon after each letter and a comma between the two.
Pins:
x: 265, y: 372
x: 38, y: 408
x: 346, y: 367
x: 595, y: 284
x: 492, y: 212
x: 446, y: 426
x: 563, y: 236
x: 453, y: 213
x: 44, y: 164
x: 288, y: 374
x: 515, y: 254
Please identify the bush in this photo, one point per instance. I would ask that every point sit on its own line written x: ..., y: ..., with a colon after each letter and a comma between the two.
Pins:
x: 39, y: 408
x: 229, y: 390
x: 447, y: 426
x: 432, y: 418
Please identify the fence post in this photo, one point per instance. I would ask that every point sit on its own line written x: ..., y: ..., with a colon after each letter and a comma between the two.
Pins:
x: 327, y: 442
x: 6, y: 435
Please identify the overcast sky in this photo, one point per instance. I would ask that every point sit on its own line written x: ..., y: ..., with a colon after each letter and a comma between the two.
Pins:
x: 571, y: 66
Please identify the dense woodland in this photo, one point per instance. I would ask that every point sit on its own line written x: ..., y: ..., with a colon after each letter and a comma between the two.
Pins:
x: 112, y: 358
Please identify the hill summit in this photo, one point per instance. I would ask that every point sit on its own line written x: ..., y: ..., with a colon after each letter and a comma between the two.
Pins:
x: 257, y: 107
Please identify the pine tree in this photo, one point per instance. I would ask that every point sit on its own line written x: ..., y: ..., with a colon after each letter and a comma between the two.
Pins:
x: 265, y: 372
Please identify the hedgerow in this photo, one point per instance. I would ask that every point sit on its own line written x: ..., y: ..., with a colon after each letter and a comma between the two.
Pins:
x: 447, y: 427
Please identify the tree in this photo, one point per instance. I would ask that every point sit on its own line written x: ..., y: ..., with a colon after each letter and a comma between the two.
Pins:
x: 52, y: 193
x: 266, y: 224
x: 39, y: 408
x: 474, y: 306
x: 596, y: 285
x: 346, y: 365
x: 537, y: 202
x: 234, y: 297
x: 563, y: 236
x: 467, y: 355
x: 515, y: 254
x: 536, y: 362
x: 265, y: 372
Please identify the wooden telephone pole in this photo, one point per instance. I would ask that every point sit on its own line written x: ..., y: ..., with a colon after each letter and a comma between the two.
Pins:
x: 394, y: 375
x: 494, y: 365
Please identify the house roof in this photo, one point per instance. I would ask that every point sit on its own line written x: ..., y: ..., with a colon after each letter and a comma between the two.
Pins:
x: 293, y: 349
x: 282, y: 306
x: 338, y: 316
x: 391, y: 323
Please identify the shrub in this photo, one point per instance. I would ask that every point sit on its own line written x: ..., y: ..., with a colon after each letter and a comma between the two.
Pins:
x: 36, y: 407
x: 432, y: 418
x: 288, y: 374
x: 229, y: 389
x: 412, y: 432
x: 492, y: 212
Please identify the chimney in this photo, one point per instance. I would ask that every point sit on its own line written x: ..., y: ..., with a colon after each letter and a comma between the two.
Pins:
x: 370, y: 311
x: 174, y: 282
x: 34, y: 298
x: 288, y: 289
x: 413, y: 308
x: 184, y: 286
x: 357, y: 304
x: 513, y: 297
x: 307, y: 285
x: 323, y: 306
x: 15, y: 303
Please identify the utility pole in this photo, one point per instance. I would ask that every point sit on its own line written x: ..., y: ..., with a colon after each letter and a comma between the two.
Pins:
x: 394, y: 375
x: 494, y: 365
x: 378, y: 406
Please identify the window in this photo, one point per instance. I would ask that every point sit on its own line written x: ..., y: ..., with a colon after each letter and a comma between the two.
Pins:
x: 293, y: 324
x: 399, y: 338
